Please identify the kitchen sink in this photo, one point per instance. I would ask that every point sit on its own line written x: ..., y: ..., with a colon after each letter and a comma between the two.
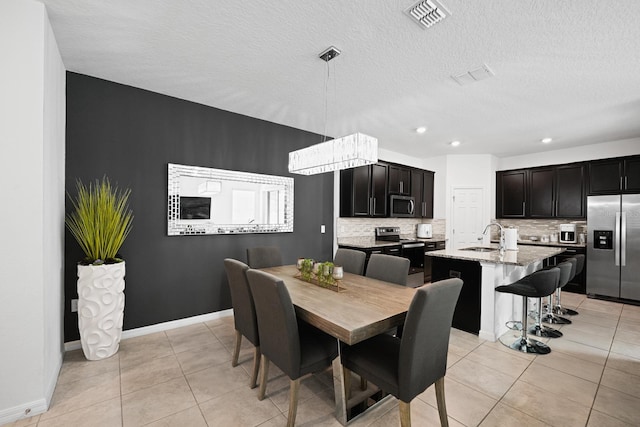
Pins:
x: 479, y: 249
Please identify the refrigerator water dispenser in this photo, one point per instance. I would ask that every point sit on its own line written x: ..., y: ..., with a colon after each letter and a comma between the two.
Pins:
x: 603, y: 239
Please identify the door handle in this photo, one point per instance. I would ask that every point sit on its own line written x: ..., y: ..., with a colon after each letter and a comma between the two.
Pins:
x: 411, y: 207
x: 623, y: 239
x: 617, y: 241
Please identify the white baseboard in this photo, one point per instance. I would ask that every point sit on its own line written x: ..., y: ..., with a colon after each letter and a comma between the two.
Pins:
x: 39, y: 406
x: 22, y: 411
x: 159, y: 327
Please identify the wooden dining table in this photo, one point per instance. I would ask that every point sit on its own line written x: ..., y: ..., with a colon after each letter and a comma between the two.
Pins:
x: 364, y: 307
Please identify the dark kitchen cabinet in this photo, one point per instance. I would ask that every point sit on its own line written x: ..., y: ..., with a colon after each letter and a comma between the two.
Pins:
x: 571, y: 191
x: 422, y: 192
x: 619, y: 175
x: 430, y: 246
x: 399, y: 180
x: 363, y: 191
x: 557, y: 192
x: 542, y: 193
x: 511, y: 189
x: 466, y: 316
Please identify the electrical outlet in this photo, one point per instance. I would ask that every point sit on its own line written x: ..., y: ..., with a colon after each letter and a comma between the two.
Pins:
x: 323, y: 229
x: 74, y: 305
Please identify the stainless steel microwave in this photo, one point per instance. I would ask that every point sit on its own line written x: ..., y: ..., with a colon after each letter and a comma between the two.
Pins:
x: 401, y: 206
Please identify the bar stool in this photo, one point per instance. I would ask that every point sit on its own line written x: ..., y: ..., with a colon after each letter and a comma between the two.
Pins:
x: 558, y: 308
x: 540, y: 284
x: 567, y: 271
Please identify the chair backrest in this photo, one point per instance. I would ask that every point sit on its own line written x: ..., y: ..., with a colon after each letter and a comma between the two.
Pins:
x: 546, y: 281
x: 567, y: 271
x: 389, y: 268
x: 263, y: 257
x: 351, y: 260
x: 244, y: 311
x: 277, y: 323
x: 425, y: 337
x: 579, y: 264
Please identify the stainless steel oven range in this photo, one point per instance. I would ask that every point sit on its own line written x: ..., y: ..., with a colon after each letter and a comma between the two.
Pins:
x: 409, y: 248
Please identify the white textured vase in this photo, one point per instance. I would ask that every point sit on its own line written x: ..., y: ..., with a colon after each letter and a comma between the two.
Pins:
x: 100, y: 308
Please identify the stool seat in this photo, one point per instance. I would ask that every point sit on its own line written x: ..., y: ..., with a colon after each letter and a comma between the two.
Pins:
x: 537, y: 285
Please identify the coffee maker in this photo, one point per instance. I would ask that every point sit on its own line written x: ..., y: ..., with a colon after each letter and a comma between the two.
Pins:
x: 568, y: 233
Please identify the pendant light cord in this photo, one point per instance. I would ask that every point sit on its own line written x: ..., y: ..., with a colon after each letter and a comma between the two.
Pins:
x: 326, y: 103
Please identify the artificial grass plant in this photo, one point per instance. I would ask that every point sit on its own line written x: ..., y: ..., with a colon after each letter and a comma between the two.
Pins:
x: 100, y: 220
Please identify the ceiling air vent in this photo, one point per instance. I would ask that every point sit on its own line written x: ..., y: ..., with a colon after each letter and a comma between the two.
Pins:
x: 427, y: 12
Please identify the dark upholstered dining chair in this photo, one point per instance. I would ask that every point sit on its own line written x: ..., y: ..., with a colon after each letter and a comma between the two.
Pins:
x: 244, y: 313
x: 389, y: 268
x: 264, y: 256
x: 405, y: 367
x: 351, y: 260
x: 294, y: 346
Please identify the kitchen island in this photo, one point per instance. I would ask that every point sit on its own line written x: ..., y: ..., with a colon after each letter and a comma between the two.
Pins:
x: 480, y: 309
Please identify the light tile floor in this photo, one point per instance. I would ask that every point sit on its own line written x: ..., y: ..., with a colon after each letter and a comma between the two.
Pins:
x: 183, y: 377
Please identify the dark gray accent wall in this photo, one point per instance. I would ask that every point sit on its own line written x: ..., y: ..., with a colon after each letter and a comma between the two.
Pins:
x: 130, y: 135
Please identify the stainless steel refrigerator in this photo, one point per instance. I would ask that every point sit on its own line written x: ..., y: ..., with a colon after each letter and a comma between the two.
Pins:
x: 613, y: 246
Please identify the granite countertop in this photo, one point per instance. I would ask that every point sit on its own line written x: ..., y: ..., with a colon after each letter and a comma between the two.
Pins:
x: 364, y: 242
x: 550, y: 244
x: 525, y: 255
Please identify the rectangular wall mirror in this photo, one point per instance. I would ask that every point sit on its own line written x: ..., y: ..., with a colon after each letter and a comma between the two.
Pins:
x: 217, y: 201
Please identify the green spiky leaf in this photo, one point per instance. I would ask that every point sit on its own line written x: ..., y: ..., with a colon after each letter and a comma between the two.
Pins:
x: 100, y: 221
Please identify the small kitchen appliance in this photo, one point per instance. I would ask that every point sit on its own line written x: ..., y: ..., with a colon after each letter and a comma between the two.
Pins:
x: 567, y: 233
x: 424, y: 231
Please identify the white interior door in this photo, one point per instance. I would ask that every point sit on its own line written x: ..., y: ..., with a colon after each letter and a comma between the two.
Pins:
x: 467, y: 216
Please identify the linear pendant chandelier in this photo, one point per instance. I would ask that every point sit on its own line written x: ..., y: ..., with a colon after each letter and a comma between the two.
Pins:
x: 347, y: 152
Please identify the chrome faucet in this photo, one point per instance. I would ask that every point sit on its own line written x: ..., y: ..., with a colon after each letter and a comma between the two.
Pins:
x: 501, y: 244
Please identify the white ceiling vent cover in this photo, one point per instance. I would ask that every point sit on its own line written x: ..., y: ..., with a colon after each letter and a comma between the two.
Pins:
x: 427, y: 12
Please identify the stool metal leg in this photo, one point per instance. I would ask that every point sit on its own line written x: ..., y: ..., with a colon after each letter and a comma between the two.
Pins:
x: 559, y: 309
x: 543, y: 331
x: 551, y: 318
x: 525, y: 344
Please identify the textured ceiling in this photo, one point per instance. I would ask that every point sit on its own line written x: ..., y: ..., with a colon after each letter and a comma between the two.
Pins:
x: 566, y: 69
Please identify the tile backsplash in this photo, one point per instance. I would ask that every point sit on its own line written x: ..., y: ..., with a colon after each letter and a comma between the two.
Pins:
x: 538, y: 227
x: 364, y: 227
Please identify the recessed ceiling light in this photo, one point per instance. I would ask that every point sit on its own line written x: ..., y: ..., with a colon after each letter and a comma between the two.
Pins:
x: 546, y: 140
x: 421, y: 129
x: 454, y: 143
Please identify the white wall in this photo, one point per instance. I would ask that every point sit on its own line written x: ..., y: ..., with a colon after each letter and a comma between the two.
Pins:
x: 32, y: 188
x: 603, y: 150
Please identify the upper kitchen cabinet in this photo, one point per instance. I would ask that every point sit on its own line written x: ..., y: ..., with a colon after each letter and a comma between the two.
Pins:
x: 619, y: 175
x: 557, y: 192
x: 399, y: 180
x: 363, y: 191
x: 422, y: 192
x: 511, y: 193
x: 571, y: 191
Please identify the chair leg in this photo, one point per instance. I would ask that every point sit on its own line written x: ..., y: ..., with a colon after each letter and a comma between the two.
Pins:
x: 442, y: 407
x: 347, y: 383
x: 543, y: 331
x: 294, y: 386
x: 264, y: 371
x: 236, y: 350
x: 363, y: 383
x: 405, y: 414
x: 256, y: 367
